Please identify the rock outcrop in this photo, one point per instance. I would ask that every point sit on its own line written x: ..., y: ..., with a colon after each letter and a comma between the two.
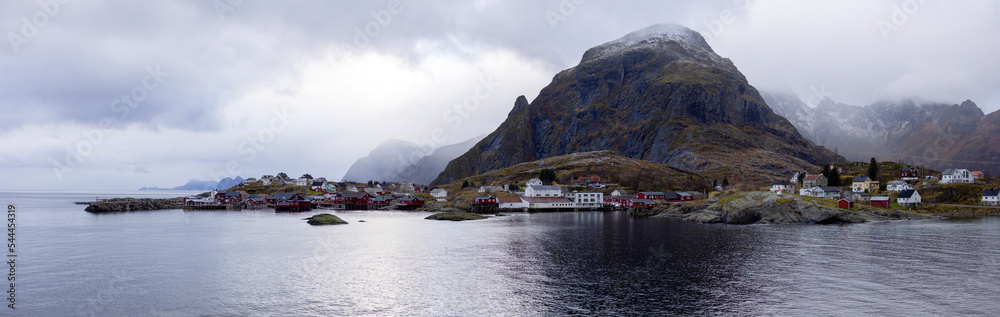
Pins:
x: 130, y: 204
x: 764, y: 207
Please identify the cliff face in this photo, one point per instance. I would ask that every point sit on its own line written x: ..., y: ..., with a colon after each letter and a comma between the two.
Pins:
x: 658, y: 94
x: 939, y: 136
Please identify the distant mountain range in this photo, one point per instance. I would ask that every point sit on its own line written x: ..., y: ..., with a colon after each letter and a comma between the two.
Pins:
x: 194, y: 184
x: 405, y: 162
x: 659, y: 94
x: 935, y: 135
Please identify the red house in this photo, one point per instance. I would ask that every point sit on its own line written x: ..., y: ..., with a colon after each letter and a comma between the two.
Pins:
x: 651, y: 196
x: 909, y: 172
x: 845, y: 204
x: 284, y: 197
x: 880, y: 201
x: 490, y: 199
x: 685, y: 196
x: 640, y: 203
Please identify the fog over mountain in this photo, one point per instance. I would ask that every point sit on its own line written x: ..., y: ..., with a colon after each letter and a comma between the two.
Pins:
x: 936, y: 135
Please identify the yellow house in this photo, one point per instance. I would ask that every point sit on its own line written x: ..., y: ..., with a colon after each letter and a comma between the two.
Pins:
x: 861, y: 183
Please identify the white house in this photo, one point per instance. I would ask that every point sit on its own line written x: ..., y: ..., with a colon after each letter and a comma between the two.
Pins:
x: 492, y: 189
x: 439, y: 193
x: 897, y: 186
x: 957, y: 175
x: 543, y: 191
x: 618, y: 192
x: 908, y: 198
x: 533, y: 181
x: 782, y: 187
x: 821, y: 192
x: 302, y: 181
x: 991, y: 197
x: 588, y: 200
x: 511, y: 203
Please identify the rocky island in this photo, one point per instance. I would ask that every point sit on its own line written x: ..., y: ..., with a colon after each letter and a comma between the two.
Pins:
x: 764, y: 207
x: 132, y: 204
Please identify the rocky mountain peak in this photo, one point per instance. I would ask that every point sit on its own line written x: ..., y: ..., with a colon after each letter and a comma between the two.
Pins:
x: 660, y: 37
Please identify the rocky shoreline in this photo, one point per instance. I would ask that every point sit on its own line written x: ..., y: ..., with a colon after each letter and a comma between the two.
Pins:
x: 766, y: 208
x: 133, y: 204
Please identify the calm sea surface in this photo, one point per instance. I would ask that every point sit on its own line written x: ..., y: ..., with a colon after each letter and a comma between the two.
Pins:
x: 176, y: 263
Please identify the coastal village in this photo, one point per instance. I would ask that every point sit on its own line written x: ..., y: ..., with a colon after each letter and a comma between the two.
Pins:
x: 904, y: 188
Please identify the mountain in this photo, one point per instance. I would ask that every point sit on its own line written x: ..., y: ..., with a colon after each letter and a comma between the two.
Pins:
x: 228, y: 182
x: 195, y: 184
x: 428, y: 167
x: 936, y: 135
x: 658, y: 94
x: 384, y: 162
x: 405, y: 162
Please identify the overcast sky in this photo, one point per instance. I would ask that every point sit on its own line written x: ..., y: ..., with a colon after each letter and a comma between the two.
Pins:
x: 107, y: 95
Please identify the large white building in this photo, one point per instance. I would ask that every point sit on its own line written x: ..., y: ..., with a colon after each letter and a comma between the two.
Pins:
x: 588, y: 200
x: 543, y: 191
x: 957, y: 175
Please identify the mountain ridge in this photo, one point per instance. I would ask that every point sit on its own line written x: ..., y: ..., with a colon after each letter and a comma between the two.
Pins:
x: 937, y: 135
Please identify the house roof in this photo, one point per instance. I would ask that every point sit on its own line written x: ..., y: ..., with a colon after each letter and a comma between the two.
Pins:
x: 317, y: 184
x: 909, y: 168
x: 411, y: 199
x: 810, y: 177
x: 545, y: 187
x: 653, y: 193
x: 508, y: 199
x: 829, y: 189
x: 625, y: 197
x: 906, y: 193
x: 355, y: 194
x: 483, y: 197
x: 860, y: 179
x: 880, y: 198
x: 671, y: 196
x: 895, y: 183
x: 536, y: 200
x: 285, y: 196
x: 643, y: 201
x: 438, y: 190
x: 991, y: 192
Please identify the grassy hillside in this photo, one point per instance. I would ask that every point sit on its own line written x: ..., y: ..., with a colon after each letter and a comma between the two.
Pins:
x: 624, y: 172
